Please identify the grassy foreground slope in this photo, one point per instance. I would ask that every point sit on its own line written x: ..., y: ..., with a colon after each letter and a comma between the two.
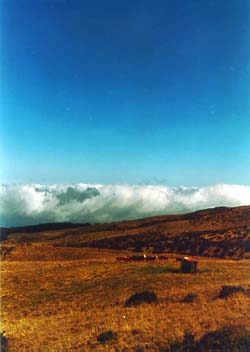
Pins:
x: 60, y: 296
x: 64, y: 305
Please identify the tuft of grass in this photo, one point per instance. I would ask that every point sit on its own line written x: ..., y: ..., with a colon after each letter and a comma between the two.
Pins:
x: 189, y: 298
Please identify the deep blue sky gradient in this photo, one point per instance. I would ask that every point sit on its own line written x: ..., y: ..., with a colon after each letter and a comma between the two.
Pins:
x: 125, y: 91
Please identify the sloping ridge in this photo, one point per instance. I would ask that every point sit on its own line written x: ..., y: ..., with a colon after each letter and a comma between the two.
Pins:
x: 220, y: 232
x: 217, y: 232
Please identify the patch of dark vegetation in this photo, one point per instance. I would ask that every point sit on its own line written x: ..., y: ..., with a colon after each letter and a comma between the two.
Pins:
x: 141, y: 297
x: 188, y: 344
x: 107, y: 336
x: 236, y: 339
x: 135, y: 332
x: 3, y: 342
x: 223, y: 243
x: 227, y: 291
x: 226, y: 339
x: 189, y: 298
x: 5, y: 251
x: 138, y: 248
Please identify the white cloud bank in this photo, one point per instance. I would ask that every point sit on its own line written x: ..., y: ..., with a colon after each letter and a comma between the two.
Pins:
x: 31, y: 203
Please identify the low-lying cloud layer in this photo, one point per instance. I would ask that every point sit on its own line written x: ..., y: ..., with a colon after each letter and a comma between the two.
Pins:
x: 32, y: 204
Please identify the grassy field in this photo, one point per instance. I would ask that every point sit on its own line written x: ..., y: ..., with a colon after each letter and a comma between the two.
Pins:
x: 62, y: 299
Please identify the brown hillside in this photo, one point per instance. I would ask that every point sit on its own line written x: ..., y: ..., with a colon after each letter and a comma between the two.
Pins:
x: 218, y: 232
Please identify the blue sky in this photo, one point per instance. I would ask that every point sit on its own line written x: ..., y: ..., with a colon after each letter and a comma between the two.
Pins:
x: 125, y: 91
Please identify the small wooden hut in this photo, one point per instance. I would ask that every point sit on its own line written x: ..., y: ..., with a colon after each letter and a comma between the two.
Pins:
x: 189, y: 265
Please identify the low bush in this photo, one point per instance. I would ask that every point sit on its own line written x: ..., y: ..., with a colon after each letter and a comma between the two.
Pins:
x: 189, y: 298
x: 227, y: 291
x: 226, y: 339
x: 107, y: 336
x: 141, y: 297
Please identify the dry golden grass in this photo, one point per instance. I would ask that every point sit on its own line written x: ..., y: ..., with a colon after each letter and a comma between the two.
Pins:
x: 63, y: 305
